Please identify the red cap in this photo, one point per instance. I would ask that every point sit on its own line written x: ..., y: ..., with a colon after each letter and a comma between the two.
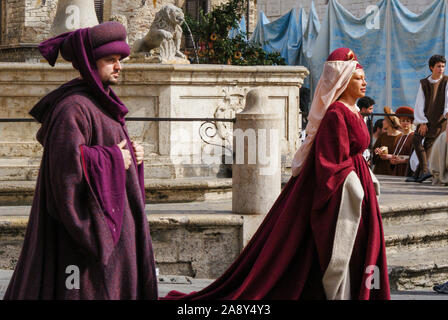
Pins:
x: 405, y: 111
x: 343, y: 54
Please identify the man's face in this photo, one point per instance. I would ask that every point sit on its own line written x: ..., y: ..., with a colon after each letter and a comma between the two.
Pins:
x: 368, y: 110
x: 109, y: 68
x: 438, y: 70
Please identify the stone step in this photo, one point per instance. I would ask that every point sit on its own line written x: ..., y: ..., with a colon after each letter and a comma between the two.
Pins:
x: 19, y: 169
x: 157, y: 190
x: 414, y: 211
x: 417, y: 255
x: 413, y: 268
x: 416, y: 235
x: 31, y: 149
x: 199, y: 245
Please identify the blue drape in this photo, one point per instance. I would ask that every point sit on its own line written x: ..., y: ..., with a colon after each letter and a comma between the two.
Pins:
x: 392, y: 43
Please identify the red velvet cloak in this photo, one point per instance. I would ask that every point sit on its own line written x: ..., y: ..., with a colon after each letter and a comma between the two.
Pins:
x: 288, y: 255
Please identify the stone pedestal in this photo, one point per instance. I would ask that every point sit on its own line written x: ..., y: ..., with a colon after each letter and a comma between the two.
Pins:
x: 256, y: 180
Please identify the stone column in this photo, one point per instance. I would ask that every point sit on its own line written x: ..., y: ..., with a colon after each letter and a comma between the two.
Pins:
x: 74, y: 14
x: 256, y: 173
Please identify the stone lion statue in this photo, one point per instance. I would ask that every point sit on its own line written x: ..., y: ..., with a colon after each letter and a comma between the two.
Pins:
x: 163, y: 40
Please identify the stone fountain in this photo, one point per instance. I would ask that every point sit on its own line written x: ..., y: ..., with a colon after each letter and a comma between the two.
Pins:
x: 171, y: 88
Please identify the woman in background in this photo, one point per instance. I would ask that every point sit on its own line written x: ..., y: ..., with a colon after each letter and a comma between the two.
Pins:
x: 384, y: 145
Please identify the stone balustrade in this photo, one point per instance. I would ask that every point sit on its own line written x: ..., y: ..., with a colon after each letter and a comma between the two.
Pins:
x: 173, y: 149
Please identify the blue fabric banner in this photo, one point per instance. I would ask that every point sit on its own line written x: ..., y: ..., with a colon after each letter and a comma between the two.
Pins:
x: 392, y: 43
x: 283, y: 35
x: 240, y: 30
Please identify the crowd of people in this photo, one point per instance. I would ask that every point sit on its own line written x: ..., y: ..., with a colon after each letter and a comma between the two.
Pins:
x: 402, y: 142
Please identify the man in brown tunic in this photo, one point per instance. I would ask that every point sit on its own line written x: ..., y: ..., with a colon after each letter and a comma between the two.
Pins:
x: 88, y: 235
x: 430, y: 115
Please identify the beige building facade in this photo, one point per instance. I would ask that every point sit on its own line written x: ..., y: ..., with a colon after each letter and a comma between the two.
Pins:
x: 25, y: 23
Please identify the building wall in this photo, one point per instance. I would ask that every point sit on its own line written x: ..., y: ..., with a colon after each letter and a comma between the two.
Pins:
x: 30, y: 21
x: 276, y: 8
x: 13, y: 12
x: 36, y: 26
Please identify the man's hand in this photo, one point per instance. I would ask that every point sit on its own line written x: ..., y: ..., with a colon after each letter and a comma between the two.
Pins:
x: 126, y: 154
x: 423, y: 129
x: 139, y: 152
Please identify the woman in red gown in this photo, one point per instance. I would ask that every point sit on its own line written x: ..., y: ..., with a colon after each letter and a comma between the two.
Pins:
x: 323, y: 237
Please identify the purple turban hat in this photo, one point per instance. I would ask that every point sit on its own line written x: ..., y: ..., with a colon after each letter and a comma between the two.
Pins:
x: 107, y: 39
x: 82, y: 48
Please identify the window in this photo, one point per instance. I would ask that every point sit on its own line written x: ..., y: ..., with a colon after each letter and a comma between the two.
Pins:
x: 193, y: 7
x: 99, y: 9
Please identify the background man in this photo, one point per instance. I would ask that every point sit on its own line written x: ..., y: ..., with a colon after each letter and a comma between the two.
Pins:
x: 377, y: 130
x: 365, y: 105
x: 430, y: 110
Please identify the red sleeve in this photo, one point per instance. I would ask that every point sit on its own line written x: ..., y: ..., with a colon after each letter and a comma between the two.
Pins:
x: 332, y: 156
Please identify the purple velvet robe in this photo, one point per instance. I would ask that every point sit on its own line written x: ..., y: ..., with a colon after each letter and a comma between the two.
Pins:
x: 87, y: 212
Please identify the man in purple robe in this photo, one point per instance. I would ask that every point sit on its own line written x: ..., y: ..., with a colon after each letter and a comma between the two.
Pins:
x: 88, y: 235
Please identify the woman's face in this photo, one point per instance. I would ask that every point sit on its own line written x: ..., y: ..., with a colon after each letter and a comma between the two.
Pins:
x: 357, y: 85
x: 406, y: 123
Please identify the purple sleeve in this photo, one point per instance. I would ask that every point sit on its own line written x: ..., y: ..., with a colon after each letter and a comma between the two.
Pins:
x: 104, y: 170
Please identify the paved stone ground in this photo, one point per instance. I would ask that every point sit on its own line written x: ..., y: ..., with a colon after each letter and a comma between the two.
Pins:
x: 394, y: 191
x: 189, y: 285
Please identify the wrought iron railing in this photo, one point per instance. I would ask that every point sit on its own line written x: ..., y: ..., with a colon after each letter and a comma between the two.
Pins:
x: 208, y: 130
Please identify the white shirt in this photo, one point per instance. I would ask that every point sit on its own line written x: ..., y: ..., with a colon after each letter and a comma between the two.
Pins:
x: 419, y: 109
x: 366, y: 154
